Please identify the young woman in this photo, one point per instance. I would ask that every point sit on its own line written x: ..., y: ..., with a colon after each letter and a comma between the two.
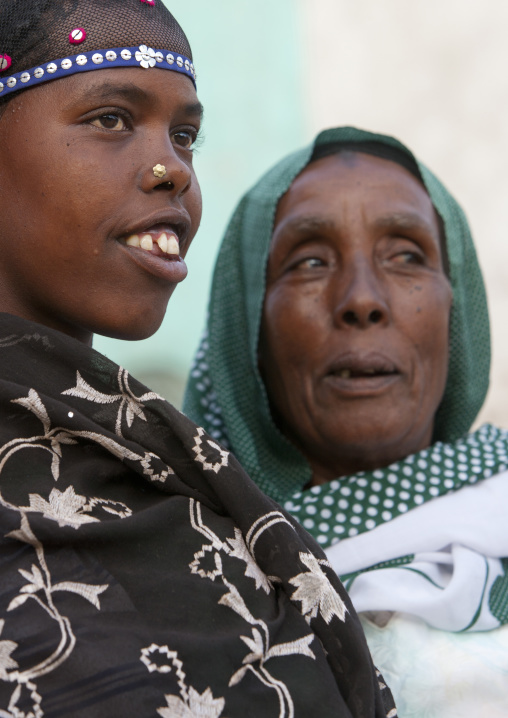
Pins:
x: 141, y: 572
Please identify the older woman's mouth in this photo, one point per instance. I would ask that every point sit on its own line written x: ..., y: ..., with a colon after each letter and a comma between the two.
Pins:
x: 362, y: 372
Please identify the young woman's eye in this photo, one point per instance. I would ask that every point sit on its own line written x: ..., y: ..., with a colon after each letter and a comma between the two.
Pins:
x: 110, y: 121
x: 184, y: 138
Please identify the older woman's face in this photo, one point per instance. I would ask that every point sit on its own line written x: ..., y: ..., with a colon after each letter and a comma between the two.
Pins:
x: 354, y: 336
x: 76, y: 161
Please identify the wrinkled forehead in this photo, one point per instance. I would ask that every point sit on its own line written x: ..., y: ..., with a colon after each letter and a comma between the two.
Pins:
x: 350, y: 154
x: 374, y: 149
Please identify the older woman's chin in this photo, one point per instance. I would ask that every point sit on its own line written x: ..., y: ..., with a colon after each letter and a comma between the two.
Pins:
x: 361, y: 443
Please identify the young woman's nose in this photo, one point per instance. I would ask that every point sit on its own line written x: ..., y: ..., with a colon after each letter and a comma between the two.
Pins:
x: 359, y: 296
x: 166, y: 170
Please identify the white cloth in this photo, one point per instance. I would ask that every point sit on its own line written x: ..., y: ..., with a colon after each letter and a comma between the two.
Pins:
x: 438, y: 674
x: 457, y: 541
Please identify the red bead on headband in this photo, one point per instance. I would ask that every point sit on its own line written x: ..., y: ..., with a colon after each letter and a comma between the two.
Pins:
x: 5, y: 62
x: 77, y: 36
x: 149, y: 2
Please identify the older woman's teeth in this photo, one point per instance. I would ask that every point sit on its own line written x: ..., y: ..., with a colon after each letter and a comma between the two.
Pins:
x: 133, y: 241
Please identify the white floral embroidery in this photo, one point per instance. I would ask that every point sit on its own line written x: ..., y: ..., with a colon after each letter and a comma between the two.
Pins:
x: 59, y: 436
x: 196, y: 566
x: 151, y: 464
x: 67, y: 507
x: 209, y: 465
x: 197, y: 706
x: 234, y: 547
x: 316, y: 593
x: 149, y: 461
x: 145, y: 56
x: 258, y: 653
x: 6, y: 648
x: 262, y: 524
x: 191, y: 704
x: 132, y: 404
x: 39, y: 588
x: 116, y: 508
x: 259, y: 642
x: 252, y: 570
x: 22, y: 694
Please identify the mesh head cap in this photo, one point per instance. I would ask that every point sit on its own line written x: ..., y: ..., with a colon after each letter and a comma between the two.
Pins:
x: 35, y: 34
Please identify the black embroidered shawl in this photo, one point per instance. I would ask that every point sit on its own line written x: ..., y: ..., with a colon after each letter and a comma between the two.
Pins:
x: 141, y: 572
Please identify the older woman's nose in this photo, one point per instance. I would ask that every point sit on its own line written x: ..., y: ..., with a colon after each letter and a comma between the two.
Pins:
x: 360, y: 299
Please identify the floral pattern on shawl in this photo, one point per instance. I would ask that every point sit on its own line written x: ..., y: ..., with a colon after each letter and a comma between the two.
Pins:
x: 102, y: 485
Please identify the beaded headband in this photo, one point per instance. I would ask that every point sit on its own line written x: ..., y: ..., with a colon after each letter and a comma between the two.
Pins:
x: 141, y: 56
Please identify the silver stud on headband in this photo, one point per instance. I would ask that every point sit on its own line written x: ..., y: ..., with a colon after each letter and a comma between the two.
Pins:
x: 141, y: 56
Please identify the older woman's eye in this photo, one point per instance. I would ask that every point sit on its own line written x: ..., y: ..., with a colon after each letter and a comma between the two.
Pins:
x: 310, y: 263
x: 408, y: 257
x: 110, y: 122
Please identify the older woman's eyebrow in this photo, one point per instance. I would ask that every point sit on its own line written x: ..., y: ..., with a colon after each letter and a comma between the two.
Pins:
x: 403, y: 221
x: 308, y: 224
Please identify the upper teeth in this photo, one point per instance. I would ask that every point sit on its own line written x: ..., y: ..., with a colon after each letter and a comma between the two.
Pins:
x: 168, y: 243
x: 346, y: 373
x: 146, y: 242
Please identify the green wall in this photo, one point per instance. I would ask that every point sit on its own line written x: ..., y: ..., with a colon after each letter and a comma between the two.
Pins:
x: 248, y: 59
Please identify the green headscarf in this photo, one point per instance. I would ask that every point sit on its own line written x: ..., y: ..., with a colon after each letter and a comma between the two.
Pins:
x: 226, y: 394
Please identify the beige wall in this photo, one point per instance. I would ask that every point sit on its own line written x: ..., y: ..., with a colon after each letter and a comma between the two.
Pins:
x: 434, y: 73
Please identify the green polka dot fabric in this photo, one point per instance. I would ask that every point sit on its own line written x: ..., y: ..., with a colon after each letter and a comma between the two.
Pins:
x: 352, y: 505
x: 498, y: 597
x: 225, y: 393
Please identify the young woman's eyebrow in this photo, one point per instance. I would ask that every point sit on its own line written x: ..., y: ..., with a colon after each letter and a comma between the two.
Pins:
x: 109, y: 91
x: 104, y: 91
x: 194, y: 110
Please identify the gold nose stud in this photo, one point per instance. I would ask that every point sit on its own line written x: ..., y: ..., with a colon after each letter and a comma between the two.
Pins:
x: 159, y: 171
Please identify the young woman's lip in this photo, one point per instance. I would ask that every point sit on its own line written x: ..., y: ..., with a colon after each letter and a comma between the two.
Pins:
x: 172, y: 269
x: 174, y: 222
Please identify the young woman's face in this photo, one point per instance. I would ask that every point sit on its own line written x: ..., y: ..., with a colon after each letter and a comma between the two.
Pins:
x: 79, y: 196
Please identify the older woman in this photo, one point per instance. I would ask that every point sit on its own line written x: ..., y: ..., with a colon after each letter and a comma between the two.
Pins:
x: 135, y: 579
x: 346, y: 357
